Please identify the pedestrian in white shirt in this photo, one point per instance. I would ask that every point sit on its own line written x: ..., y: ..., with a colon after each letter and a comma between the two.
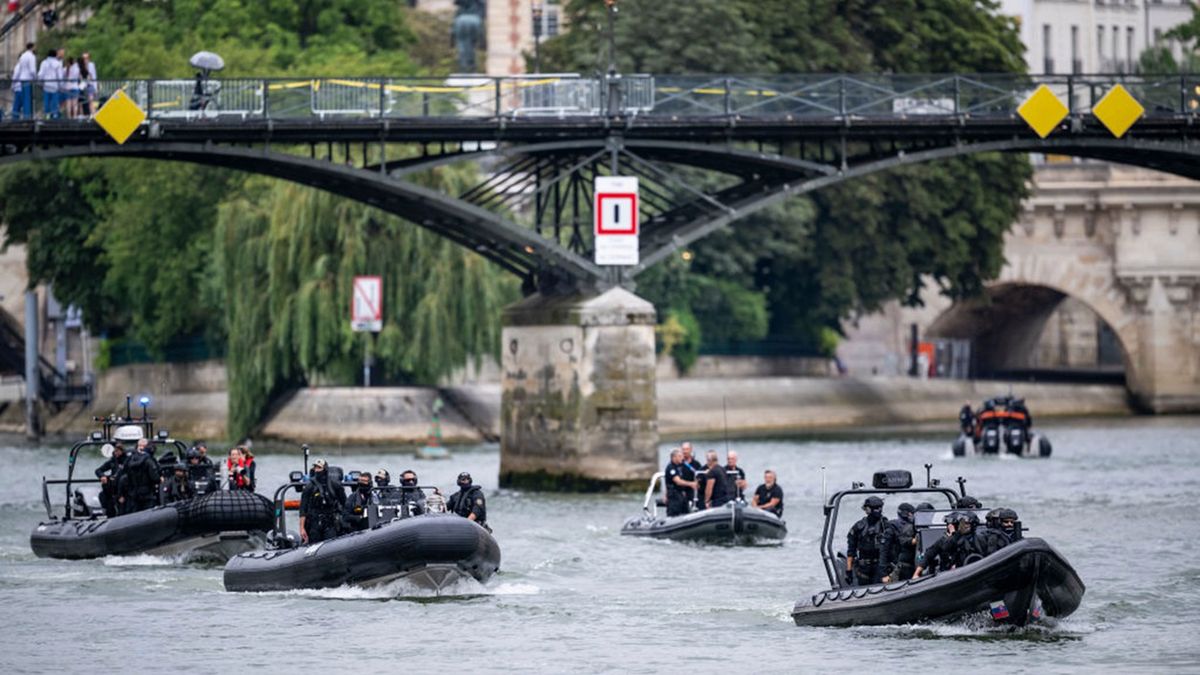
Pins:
x: 72, y: 88
x: 51, y: 75
x: 88, y: 71
x: 24, y: 75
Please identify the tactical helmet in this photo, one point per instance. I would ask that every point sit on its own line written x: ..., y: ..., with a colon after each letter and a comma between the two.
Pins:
x: 952, y: 517
x: 969, y: 502
x: 193, y: 454
x: 972, y: 518
x: 464, y: 479
x: 905, y: 508
x: 180, y: 466
x: 925, y: 506
x: 873, y: 503
x: 1006, y: 514
x: 993, y: 517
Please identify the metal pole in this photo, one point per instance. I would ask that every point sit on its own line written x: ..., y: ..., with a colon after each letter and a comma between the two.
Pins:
x: 32, y: 428
x: 613, y: 103
x: 367, y: 360
x: 537, y: 36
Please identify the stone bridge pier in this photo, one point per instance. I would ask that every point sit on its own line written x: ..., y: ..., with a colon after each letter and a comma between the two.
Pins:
x: 578, y: 402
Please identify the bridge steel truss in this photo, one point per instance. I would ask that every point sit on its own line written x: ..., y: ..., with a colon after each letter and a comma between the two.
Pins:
x: 707, y: 151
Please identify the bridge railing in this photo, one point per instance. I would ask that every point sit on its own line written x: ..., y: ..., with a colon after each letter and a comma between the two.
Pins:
x: 566, y: 95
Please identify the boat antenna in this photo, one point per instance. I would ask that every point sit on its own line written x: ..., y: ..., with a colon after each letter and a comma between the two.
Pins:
x: 725, y: 416
x: 928, y: 477
x: 305, y: 448
x: 962, y: 486
x: 824, y: 491
x: 128, y: 407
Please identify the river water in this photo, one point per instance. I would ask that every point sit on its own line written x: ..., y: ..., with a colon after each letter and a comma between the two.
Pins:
x: 1118, y: 499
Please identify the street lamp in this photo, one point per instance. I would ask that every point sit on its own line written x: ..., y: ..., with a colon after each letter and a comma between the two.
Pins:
x: 537, y: 35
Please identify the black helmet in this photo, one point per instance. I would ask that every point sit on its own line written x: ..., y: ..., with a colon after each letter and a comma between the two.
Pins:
x: 464, y: 479
x: 993, y: 517
x: 925, y: 506
x: 972, y: 518
x: 905, y: 508
x: 193, y: 454
x: 952, y: 517
x: 180, y: 466
x: 968, y: 502
x: 1006, y: 514
x: 873, y: 503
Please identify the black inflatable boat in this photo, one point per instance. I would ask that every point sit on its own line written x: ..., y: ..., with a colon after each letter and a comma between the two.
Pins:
x: 433, y: 551
x: 215, y: 525
x: 1022, y: 582
x: 732, y: 523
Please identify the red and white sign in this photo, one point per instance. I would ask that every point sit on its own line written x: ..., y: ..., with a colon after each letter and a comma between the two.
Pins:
x: 366, y: 307
x: 616, y: 214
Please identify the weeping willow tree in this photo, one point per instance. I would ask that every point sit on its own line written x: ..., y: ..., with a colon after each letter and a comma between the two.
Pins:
x: 288, y: 255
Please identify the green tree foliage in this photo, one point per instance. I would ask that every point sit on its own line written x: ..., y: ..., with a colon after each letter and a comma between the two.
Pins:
x: 288, y: 257
x: 846, y: 249
x: 157, y: 251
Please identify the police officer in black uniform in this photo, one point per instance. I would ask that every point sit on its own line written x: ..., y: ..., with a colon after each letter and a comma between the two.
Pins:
x: 897, y: 555
x: 939, y: 557
x: 202, y: 476
x: 966, y: 419
x: 1009, y: 524
x: 358, y: 505
x: 410, y: 494
x: 677, y: 485
x: 968, y: 502
x: 863, y: 543
x: 718, y: 488
x: 971, y: 542
x: 178, y: 486
x: 468, y: 502
x: 320, y: 504
x: 109, y: 474
x: 137, y: 488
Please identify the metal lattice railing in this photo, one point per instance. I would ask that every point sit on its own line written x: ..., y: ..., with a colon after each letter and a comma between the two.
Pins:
x: 565, y: 95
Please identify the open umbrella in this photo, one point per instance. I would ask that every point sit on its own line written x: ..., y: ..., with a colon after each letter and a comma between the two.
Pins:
x: 206, y: 61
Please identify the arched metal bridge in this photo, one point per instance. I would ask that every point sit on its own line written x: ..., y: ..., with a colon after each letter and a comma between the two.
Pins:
x: 708, y: 150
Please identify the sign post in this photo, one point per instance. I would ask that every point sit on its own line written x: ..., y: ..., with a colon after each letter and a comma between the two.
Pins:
x: 615, y: 207
x: 366, y: 315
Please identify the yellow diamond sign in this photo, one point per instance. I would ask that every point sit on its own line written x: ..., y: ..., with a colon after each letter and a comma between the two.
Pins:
x: 120, y: 117
x: 1042, y: 111
x: 1118, y: 110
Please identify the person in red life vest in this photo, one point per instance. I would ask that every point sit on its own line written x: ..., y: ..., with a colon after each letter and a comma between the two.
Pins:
x: 240, y: 467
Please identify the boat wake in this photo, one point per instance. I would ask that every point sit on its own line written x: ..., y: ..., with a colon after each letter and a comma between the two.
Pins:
x: 405, y: 589
x: 144, y: 560
x: 981, y: 627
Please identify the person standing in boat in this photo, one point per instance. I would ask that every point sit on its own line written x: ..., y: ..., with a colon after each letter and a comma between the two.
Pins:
x: 939, y: 557
x: 717, y: 487
x: 410, y: 494
x: 178, y: 487
x: 241, y: 469
x: 358, y: 505
x: 863, y: 543
x: 137, y: 488
x: 469, y: 502
x: 966, y: 419
x: 677, y: 486
x: 320, y: 504
x: 109, y: 473
x: 692, y: 472
x: 898, y: 553
x: 199, y: 474
x: 769, y: 496
x: 736, y: 474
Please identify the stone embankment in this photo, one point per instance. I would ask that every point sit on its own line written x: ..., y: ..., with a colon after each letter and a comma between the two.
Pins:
x: 688, y: 407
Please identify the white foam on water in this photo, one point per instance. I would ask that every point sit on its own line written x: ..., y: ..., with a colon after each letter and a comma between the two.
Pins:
x: 405, y: 588
x: 142, y: 560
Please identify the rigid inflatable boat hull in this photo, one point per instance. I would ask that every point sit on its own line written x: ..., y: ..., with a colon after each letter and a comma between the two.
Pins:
x: 1018, y: 575
x: 216, y: 525
x: 432, y: 551
x: 728, y: 524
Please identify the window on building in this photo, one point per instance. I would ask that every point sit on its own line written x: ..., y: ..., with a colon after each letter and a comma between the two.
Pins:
x: 1116, y: 45
x: 1076, y: 62
x: 1129, y: 48
x: 1047, y: 50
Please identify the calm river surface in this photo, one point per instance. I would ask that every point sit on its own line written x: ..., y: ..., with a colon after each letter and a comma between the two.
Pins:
x: 1119, y: 499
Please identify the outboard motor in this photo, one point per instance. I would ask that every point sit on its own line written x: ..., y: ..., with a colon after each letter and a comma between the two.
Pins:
x: 1014, y: 439
x: 991, y: 440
